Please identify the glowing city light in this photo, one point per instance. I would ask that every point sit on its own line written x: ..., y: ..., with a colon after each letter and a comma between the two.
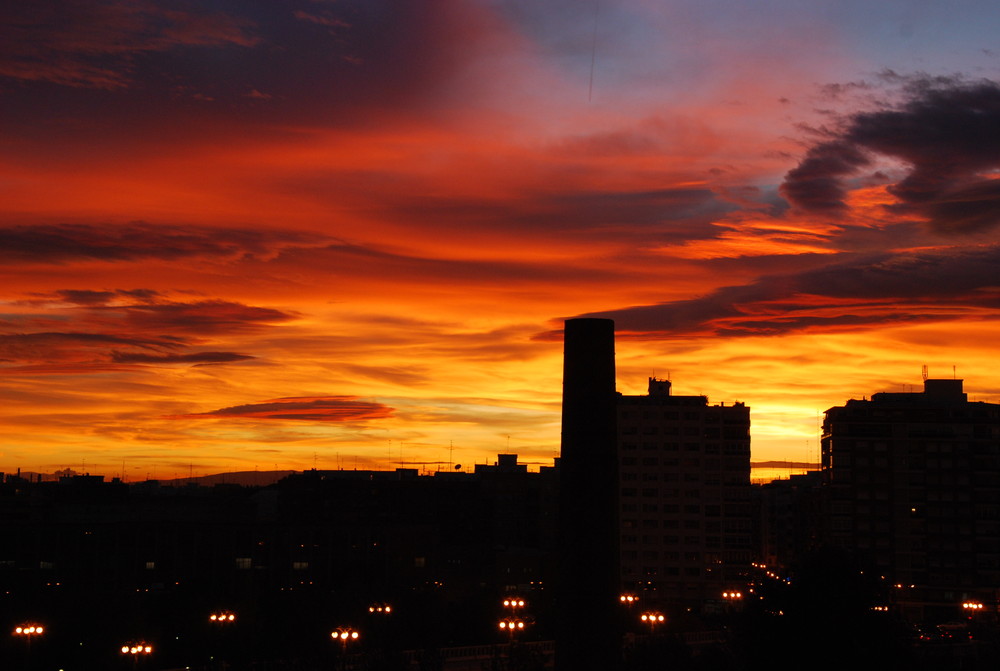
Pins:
x: 29, y: 630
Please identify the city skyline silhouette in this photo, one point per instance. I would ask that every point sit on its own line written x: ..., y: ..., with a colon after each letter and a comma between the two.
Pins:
x: 645, y: 544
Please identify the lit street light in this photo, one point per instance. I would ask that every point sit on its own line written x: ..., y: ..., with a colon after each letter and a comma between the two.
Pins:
x: 733, y: 599
x: 345, y: 635
x: 652, y: 618
x: 137, y: 650
x: 511, y: 625
x: 28, y: 632
x: 224, y: 619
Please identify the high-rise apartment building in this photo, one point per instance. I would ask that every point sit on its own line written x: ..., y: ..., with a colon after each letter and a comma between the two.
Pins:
x: 913, y: 481
x: 685, y: 519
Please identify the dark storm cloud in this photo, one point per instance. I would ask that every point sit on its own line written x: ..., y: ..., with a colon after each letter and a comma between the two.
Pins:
x: 311, y: 409
x: 864, y: 291
x: 947, y: 133
x: 61, y: 243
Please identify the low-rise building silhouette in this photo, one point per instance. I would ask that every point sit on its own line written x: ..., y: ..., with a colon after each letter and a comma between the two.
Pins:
x: 99, y: 562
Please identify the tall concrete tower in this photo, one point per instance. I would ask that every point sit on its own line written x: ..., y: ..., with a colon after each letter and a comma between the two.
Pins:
x: 588, y: 580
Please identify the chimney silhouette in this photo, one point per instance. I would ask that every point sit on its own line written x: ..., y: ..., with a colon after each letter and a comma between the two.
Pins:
x: 587, y: 635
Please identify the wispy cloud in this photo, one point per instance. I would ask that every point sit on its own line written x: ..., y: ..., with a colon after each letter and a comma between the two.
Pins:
x: 854, y: 293
x: 95, y: 43
x: 61, y: 243
x: 307, y: 409
x: 138, y: 326
x: 193, y: 357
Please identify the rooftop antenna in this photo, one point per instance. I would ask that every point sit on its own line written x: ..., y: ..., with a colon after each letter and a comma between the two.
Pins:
x: 923, y: 372
x: 954, y: 373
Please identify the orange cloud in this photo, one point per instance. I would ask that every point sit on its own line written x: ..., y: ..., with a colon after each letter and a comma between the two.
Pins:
x: 320, y: 409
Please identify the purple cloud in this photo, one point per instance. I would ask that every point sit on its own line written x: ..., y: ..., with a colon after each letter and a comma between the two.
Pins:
x: 860, y: 291
x: 947, y: 133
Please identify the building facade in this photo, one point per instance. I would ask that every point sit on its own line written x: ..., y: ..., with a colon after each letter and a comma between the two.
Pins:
x: 913, y: 487
x: 684, y: 504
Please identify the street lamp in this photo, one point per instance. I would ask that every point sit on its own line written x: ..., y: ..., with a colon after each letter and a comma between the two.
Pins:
x: 380, y: 608
x: 137, y: 650
x: 28, y: 632
x: 652, y: 618
x: 628, y: 599
x: 511, y: 625
x: 222, y: 617
x: 345, y: 635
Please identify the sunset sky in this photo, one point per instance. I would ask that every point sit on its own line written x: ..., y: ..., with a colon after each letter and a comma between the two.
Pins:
x: 346, y: 233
